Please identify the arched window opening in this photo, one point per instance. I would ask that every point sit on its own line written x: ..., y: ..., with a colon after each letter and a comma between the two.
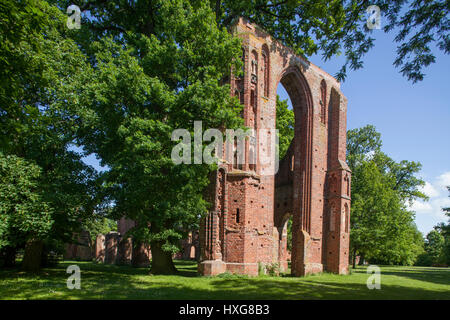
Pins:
x: 323, y: 102
x: 333, y: 219
x: 252, y: 154
x: 347, y: 217
x: 285, y: 120
x: 237, y: 161
x: 254, y: 69
x: 252, y: 112
x: 243, y: 62
x: 347, y: 185
x: 265, y: 58
x: 235, y: 156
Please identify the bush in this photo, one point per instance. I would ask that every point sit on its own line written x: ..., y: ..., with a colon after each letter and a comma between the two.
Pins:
x: 273, y: 269
x: 424, y: 260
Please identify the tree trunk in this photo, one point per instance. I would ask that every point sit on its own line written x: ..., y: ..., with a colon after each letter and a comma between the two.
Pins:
x: 361, y: 260
x: 354, y: 259
x: 140, y: 255
x: 33, y: 256
x: 47, y: 259
x: 10, y: 256
x: 162, y: 262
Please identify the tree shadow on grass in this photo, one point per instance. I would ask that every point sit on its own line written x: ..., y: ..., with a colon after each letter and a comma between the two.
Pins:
x: 243, y: 289
x: 299, y: 290
x: 100, y: 281
x: 427, y: 274
x: 184, y: 268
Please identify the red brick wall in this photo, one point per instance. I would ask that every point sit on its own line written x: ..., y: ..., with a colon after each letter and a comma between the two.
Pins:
x: 303, y: 186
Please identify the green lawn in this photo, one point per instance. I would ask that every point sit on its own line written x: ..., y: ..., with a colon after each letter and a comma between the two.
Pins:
x: 113, y: 282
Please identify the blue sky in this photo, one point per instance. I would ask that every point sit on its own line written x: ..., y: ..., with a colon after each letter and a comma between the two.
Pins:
x: 413, y: 119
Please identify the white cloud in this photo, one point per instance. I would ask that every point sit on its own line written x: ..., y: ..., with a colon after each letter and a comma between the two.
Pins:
x: 429, y: 213
x: 429, y: 190
x: 421, y: 207
x: 444, y: 180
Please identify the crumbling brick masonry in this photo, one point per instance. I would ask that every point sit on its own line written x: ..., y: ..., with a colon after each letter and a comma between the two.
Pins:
x: 247, y: 227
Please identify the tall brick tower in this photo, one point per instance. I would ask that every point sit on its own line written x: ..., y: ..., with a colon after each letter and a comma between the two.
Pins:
x: 247, y: 228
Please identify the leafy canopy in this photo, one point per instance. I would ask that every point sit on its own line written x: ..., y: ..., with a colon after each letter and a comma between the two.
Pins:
x: 37, y: 133
x: 338, y: 27
x: 382, y: 227
x: 141, y: 86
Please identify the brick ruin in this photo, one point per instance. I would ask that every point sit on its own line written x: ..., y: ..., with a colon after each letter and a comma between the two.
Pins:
x: 117, y: 247
x: 81, y: 249
x: 247, y: 227
x: 246, y: 230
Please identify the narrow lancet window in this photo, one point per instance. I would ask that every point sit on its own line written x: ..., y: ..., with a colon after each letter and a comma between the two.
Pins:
x: 323, y: 102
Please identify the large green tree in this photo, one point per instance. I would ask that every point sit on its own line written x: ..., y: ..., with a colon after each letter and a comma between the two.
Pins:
x: 434, y: 249
x: 434, y: 245
x: 154, y: 78
x: 445, y: 230
x: 39, y: 61
x: 325, y: 27
x: 437, y: 246
x: 382, y: 227
x: 24, y: 214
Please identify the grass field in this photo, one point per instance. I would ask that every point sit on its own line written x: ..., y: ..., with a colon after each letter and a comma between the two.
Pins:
x: 119, y: 282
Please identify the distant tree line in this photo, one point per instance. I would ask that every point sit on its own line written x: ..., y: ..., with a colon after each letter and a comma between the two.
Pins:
x: 437, y: 245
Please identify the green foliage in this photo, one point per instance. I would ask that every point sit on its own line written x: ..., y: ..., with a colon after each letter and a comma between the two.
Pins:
x: 98, y: 224
x: 285, y: 123
x: 444, y: 228
x: 361, y: 144
x: 437, y: 245
x: 382, y: 228
x: 140, y: 88
x: 273, y: 269
x: 289, y: 234
x: 339, y: 28
x: 434, y: 244
x: 41, y: 63
x: 434, y: 249
x: 403, y: 249
x: 24, y: 214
